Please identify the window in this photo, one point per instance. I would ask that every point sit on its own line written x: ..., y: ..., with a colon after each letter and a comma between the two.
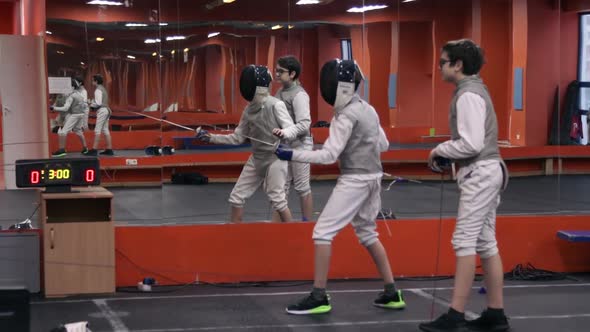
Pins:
x: 584, y: 72
x: 346, y: 47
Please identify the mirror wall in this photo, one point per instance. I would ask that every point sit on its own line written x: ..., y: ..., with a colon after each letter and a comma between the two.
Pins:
x: 172, y: 66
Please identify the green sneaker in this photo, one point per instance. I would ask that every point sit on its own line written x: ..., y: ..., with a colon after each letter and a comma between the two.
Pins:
x: 59, y: 153
x: 395, y: 301
x: 310, y: 306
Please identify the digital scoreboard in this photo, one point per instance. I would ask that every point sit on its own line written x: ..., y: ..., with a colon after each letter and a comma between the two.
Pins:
x: 60, y: 174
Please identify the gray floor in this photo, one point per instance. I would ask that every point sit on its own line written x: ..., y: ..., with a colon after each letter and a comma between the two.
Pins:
x: 192, y: 204
x: 532, y: 307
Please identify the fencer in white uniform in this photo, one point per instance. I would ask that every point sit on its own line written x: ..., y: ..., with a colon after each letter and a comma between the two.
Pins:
x: 103, y: 114
x: 263, y: 113
x: 296, y: 99
x: 74, y: 110
x: 356, y: 140
x: 482, y: 176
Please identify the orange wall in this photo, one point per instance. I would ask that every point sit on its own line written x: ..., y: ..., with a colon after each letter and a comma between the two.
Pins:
x: 543, y: 71
x: 6, y: 19
x: 446, y: 28
x: 161, y: 252
x: 495, y: 34
x: 415, y: 75
x: 310, y: 70
x: 212, y: 77
x: 379, y: 42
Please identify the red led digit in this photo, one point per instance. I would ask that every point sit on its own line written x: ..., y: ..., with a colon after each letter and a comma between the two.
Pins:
x: 89, y: 175
x: 34, y: 177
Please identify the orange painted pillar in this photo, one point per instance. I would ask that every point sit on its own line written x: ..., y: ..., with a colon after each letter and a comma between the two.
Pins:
x: 32, y: 17
x: 476, y: 21
x: 517, y: 122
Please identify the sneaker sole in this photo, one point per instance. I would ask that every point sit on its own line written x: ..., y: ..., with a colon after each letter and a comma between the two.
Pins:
x: 59, y: 155
x: 319, y: 310
x: 388, y: 306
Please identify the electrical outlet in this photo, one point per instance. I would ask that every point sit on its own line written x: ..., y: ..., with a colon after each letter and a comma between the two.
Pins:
x: 131, y: 162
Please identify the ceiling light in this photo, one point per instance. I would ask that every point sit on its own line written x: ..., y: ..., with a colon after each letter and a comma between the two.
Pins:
x: 152, y: 41
x: 186, y: 50
x: 169, y: 38
x: 228, y: 1
x: 136, y: 25
x: 307, y: 2
x: 212, y: 34
x: 276, y: 27
x: 82, y: 63
x: 407, y: 1
x: 130, y: 57
x: 99, y: 39
x: 365, y: 8
x: 163, y: 24
x: 60, y: 52
x: 291, y: 26
x: 173, y: 51
x: 154, y: 54
x: 104, y: 3
x: 48, y: 32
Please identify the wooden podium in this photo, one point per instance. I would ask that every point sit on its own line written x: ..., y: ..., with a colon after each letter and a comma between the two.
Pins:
x: 78, y: 242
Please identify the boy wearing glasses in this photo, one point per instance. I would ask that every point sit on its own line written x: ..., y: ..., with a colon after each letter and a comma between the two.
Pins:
x: 287, y: 72
x: 481, y: 178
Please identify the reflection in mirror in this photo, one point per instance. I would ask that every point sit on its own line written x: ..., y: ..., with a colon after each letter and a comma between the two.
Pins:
x: 67, y: 59
x: 118, y: 45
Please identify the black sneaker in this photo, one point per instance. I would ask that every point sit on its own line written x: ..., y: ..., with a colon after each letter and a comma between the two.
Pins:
x: 444, y: 323
x: 310, y: 306
x: 92, y: 152
x: 395, y: 301
x: 85, y: 151
x: 107, y: 152
x: 59, y: 153
x: 489, y: 322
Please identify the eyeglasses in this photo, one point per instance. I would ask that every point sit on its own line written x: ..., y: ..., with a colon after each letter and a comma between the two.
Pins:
x: 442, y: 62
x: 280, y: 71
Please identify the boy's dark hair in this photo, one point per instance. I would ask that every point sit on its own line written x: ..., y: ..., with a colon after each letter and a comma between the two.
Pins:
x: 468, y: 52
x: 290, y: 63
x: 98, y: 78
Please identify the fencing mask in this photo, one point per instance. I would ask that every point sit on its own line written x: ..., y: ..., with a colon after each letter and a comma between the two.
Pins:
x: 254, y: 80
x: 77, y: 82
x: 339, y: 80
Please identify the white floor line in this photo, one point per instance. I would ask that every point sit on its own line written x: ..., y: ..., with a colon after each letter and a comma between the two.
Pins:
x: 155, y: 296
x: 114, y: 320
x: 336, y: 324
x: 551, y: 316
x: 469, y: 315
x: 285, y: 326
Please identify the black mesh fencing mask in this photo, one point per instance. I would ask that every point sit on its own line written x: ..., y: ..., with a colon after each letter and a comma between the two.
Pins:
x: 339, y: 80
x: 254, y: 79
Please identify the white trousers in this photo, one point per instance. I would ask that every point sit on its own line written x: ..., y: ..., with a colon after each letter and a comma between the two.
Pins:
x: 299, y: 173
x: 72, y: 122
x: 480, y: 185
x: 273, y: 184
x: 102, y: 121
x: 356, y: 199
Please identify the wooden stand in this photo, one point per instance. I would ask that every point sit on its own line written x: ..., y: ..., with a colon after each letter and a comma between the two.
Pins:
x: 78, y: 242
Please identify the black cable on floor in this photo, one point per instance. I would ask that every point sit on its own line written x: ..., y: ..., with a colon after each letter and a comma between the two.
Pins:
x: 531, y: 273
